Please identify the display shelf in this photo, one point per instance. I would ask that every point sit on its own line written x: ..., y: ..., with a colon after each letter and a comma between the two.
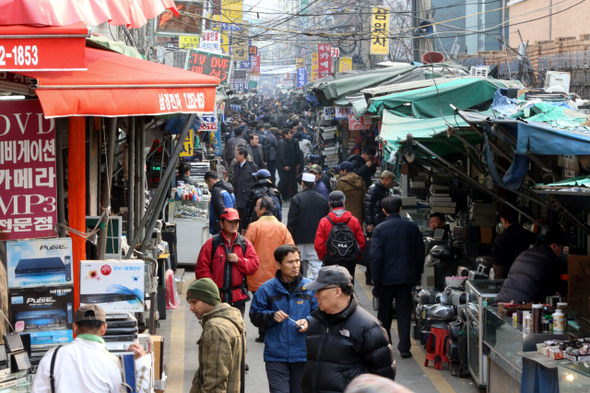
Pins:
x: 574, y: 377
x: 190, y: 210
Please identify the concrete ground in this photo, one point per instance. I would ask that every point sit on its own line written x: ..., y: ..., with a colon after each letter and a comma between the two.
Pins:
x: 181, y: 330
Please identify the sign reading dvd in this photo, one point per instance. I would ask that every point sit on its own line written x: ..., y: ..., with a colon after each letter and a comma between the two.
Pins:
x: 209, y: 64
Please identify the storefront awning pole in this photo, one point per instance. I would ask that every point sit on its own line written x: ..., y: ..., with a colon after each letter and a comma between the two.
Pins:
x: 106, y: 189
x: 60, y: 125
x: 131, y: 178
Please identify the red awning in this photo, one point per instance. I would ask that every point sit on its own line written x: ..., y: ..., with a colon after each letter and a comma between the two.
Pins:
x: 132, y: 13
x: 116, y: 85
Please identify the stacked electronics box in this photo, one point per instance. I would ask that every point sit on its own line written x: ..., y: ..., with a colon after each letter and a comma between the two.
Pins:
x: 122, y: 330
x: 15, y: 365
x: 440, y: 198
x: 329, y: 146
x: 198, y: 170
x: 41, y: 292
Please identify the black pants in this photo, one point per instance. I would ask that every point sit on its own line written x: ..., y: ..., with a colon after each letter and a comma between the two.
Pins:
x: 241, y: 307
x: 272, y: 168
x: 284, y: 377
x: 288, y: 183
x: 404, y: 303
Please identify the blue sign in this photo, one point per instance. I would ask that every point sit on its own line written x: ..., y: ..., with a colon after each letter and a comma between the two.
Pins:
x: 301, y: 77
x: 230, y: 27
x: 246, y: 65
x: 235, y: 107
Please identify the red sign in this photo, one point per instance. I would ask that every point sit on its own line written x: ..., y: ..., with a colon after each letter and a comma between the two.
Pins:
x: 354, y: 123
x: 324, y: 60
x: 255, y: 65
x: 43, y: 48
x: 27, y: 174
x: 335, y: 52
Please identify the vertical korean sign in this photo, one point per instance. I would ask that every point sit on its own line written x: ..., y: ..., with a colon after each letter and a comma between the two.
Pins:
x: 380, y: 31
x: 345, y: 64
x: 300, y: 62
x: 324, y: 60
x: 27, y: 175
x: 314, y: 67
x: 210, y: 125
x: 301, y: 77
x: 239, y: 45
x: 255, y: 65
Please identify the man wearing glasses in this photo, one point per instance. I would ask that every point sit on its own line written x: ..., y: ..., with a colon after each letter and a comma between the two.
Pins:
x: 343, y: 340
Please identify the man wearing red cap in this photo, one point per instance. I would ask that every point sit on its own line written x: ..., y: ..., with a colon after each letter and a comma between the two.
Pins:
x: 227, y: 258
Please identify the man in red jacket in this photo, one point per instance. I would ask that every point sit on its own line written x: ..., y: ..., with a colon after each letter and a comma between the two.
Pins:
x: 227, y: 258
x: 337, y: 215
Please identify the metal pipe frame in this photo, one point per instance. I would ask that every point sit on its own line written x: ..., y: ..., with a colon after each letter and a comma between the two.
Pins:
x: 59, y: 179
x: 107, y: 186
x: 131, y: 178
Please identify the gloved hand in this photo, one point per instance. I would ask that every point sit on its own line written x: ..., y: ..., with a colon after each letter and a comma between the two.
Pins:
x: 377, y: 290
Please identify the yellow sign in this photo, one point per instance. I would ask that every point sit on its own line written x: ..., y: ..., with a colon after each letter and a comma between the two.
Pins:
x: 380, y: 31
x: 231, y: 11
x: 188, y: 42
x: 187, y: 145
x: 300, y: 62
x: 224, y: 42
x: 239, y: 45
x: 314, y: 66
x: 345, y: 64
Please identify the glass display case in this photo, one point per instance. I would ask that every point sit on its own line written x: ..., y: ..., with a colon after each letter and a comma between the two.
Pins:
x: 574, y: 377
x: 192, y: 227
x: 480, y: 293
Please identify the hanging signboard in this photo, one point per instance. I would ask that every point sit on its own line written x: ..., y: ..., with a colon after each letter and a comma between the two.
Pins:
x: 239, y: 45
x: 255, y: 65
x: 335, y: 52
x: 324, y: 60
x: 188, y: 42
x: 210, y: 41
x: 253, y: 50
x: 235, y: 107
x: 224, y: 43
x: 184, y: 23
x: 380, y: 31
x: 345, y: 64
x: 341, y: 113
x: 300, y: 62
x: 329, y: 112
x: 210, y: 125
x: 301, y: 77
x: 187, y: 145
x: 240, y: 85
x: 314, y: 67
x: 208, y: 63
x: 354, y: 123
x: 231, y: 15
x: 27, y: 175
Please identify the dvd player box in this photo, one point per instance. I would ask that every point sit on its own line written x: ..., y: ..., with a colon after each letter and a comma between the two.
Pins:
x: 116, y: 286
x: 46, y: 314
x: 39, y: 263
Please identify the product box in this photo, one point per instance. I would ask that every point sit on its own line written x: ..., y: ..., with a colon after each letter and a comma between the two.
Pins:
x: 39, y: 262
x: 116, y: 286
x: 46, y: 314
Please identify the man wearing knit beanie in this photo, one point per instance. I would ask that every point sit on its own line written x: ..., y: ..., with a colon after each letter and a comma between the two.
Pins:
x: 222, y: 346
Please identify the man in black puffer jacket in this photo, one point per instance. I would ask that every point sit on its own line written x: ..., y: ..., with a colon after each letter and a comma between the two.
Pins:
x: 262, y: 187
x: 343, y: 340
x: 222, y: 197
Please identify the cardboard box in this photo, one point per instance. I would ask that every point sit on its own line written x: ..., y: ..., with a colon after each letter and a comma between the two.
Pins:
x: 578, y: 289
x: 486, y: 234
x: 39, y: 263
x: 158, y: 356
x: 116, y: 286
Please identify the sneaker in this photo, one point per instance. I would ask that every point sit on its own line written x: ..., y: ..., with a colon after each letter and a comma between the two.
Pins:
x: 259, y: 339
x: 406, y: 354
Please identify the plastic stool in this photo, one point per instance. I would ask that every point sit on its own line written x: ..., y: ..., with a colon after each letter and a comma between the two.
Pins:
x: 439, y: 355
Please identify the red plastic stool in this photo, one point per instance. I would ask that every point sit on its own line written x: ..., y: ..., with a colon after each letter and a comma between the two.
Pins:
x: 439, y: 355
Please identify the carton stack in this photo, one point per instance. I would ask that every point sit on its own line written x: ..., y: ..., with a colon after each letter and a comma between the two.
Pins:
x: 329, y: 146
x: 440, y: 199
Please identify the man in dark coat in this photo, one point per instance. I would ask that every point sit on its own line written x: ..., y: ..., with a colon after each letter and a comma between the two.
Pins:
x: 256, y: 151
x: 535, y: 273
x: 510, y: 243
x: 397, y: 263
x: 365, y: 164
x: 262, y: 187
x: 288, y: 164
x: 343, y: 340
x: 222, y: 197
x: 242, y: 178
x: 230, y: 146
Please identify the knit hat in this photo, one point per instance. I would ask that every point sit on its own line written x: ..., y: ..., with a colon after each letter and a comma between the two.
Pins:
x: 205, y: 290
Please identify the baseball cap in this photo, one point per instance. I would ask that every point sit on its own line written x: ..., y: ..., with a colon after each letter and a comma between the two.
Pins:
x: 263, y: 173
x: 329, y: 275
x: 308, y: 177
x: 346, y: 165
x: 90, y: 312
x: 315, y: 169
x: 229, y: 214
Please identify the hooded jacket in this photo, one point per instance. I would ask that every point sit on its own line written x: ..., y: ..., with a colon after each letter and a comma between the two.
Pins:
x: 337, y: 215
x: 282, y: 341
x: 373, y: 212
x: 353, y: 187
x: 218, y: 203
x: 222, y: 349
x: 343, y: 346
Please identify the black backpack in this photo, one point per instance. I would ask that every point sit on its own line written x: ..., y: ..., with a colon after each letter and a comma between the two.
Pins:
x: 225, y: 292
x: 341, y: 247
x: 277, y: 210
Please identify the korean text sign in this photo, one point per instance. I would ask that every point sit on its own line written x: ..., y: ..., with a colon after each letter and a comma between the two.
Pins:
x: 314, y: 67
x: 208, y: 63
x: 380, y: 31
x: 27, y: 171
x: 301, y: 77
x: 324, y: 60
x: 255, y: 64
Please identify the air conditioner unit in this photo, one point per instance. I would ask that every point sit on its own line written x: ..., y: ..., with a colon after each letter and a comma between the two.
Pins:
x: 555, y: 78
x: 482, y: 71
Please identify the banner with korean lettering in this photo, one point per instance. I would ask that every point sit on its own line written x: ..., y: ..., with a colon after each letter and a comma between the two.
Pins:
x: 210, y: 125
x: 209, y: 64
x: 188, y: 42
x: 324, y: 60
x: 354, y: 123
x: 255, y: 64
x: 380, y: 31
x: 231, y: 15
x: 301, y: 77
x: 300, y: 62
x: 341, y: 112
x: 239, y: 45
x: 188, y: 145
x: 345, y: 64
x: 28, y: 193
x: 314, y: 67
x: 211, y: 41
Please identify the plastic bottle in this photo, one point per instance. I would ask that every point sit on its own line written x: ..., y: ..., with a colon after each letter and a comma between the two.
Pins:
x: 558, y: 321
x: 537, y: 319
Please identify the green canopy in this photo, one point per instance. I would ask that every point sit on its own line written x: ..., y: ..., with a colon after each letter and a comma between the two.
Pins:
x: 101, y: 42
x: 433, y: 101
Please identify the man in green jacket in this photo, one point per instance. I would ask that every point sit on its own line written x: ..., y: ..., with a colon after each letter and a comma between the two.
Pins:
x: 222, y: 346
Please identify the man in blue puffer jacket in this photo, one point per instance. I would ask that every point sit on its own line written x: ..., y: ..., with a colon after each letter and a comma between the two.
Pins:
x: 284, y: 308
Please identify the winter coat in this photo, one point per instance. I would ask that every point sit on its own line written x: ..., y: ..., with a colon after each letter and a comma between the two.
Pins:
x: 230, y: 148
x: 362, y: 169
x: 305, y: 146
x: 258, y: 190
x: 260, y: 151
x: 221, y: 193
x: 266, y: 234
x: 228, y: 276
x: 283, y: 342
x: 222, y: 349
x: 373, y: 212
x: 288, y: 154
x: 534, y: 275
x: 243, y: 181
x: 272, y: 146
x: 343, y: 346
x: 337, y: 215
x: 353, y: 187
x: 507, y: 246
x: 306, y: 210
x: 320, y: 187
x: 397, y: 252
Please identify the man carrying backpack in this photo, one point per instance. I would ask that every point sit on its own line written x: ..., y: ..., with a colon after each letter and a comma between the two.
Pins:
x: 262, y: 187
x: 339, y: 239
x: 222, y: 197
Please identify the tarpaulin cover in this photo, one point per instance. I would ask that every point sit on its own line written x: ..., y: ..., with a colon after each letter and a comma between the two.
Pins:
x: 116, y: 85
x: 429, y: 102
x: 130, y: 13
